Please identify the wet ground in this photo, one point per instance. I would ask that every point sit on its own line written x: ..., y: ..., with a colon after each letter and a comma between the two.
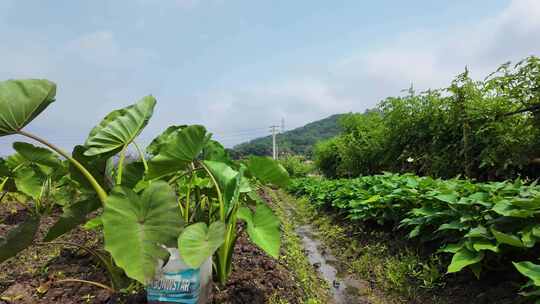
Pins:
x: 345, y: 289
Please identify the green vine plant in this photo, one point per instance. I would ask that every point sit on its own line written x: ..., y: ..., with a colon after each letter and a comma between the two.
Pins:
x: 182, y: 192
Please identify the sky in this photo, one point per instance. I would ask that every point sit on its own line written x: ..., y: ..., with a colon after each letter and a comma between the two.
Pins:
x: 239, y: 66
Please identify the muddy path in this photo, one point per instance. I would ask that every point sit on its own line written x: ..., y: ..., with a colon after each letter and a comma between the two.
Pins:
x: 343, y: 286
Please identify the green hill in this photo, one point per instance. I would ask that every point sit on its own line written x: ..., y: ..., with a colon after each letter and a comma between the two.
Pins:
x: 296, y: 141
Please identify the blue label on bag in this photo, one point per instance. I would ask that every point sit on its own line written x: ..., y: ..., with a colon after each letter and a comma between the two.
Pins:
x: 177, y: 287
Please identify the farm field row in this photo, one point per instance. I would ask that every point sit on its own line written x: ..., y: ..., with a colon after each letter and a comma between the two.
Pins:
x: 484, y: 230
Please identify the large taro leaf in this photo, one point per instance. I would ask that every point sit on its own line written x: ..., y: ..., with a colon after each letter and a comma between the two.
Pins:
x: 120, y: 127
x: 198, y: 242
x: 162, y: 139
x: 463, y: 258
x: 262, y: 228
x: 216, y: 152
x: 73, y: 216
x: 136, y: 227
x: 18, y: 238
x: 37, y: 155
x: 530, y: 270
x: 180, y: 150
x: 21, y: 101
x: 268, y: 170
x: 30, y: 181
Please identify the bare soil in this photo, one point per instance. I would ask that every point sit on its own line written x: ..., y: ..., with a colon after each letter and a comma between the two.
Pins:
x: 29, y: 277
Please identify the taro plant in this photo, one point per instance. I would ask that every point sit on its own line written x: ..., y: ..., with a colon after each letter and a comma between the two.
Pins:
x: 215, y: 194
x: 189, y: 194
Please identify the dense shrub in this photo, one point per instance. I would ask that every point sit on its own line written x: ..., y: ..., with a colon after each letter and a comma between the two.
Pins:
x: 297, y: 165
x: 481, y: 129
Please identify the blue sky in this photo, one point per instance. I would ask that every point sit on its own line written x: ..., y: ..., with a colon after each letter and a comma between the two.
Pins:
x: 239, y: 66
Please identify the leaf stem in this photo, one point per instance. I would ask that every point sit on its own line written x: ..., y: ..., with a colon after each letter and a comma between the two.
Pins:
x: 87, y: 282
x: 142, y: 156
x: 220, y: 197
x: 97, y: 187
x: 120, y: 166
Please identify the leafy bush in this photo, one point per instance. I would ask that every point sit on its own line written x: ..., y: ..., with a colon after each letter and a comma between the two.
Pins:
x: 478, y: 223
x: 487, y: 130
x: 297, y: 165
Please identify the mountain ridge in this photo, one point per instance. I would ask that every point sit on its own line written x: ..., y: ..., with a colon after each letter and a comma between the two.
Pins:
x: 296, y: 141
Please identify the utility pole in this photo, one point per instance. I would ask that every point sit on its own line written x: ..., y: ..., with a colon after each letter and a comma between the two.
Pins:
x: 274, y: 130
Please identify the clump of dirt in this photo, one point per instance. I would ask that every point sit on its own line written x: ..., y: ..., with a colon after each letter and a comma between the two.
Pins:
x: 256, y: 277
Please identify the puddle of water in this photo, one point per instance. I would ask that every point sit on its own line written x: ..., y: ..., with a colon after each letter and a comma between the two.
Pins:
x: 345, y: 289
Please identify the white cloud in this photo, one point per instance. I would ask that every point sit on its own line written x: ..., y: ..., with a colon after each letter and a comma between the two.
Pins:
x: 424, y: 58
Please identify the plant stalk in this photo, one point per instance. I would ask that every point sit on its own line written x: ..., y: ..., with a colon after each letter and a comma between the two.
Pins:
x: 120, y: 166
x: 112, y: 291
x: 220, y: 197
x: 97, y: 187
x: 142, y: 156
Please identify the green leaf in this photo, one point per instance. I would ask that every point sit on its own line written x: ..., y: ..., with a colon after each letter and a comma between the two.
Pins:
x: 120, y: 127
x: 136, y: 226
x: 506, y: 208
x: 484, y: 245
x: 18, y: 238
x: 37, y: 155
x: 73, y: 216
x: 456, y: 225
x: 163, y: 138
x: 94, y: 224
x: 29, y: 182
x: 198, y: 242
x: 223, y: 174
x: 4, y: 169
x: 505, y: 238
x: 216, y: 152
x: 262, y: 228
x: 476, y: 232
x: 530, y: 270
x: 133, y: 173
x: 230, y: 181
x: 268, y: 171
x: 21, y: 101
x: 415, y: 232
x: 463, y: 258
x: 180, y: 150
x: 447, y: 198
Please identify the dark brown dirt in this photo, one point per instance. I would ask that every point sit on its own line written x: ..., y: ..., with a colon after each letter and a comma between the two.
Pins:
x: 256, y: 277
x: 29, y: 277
